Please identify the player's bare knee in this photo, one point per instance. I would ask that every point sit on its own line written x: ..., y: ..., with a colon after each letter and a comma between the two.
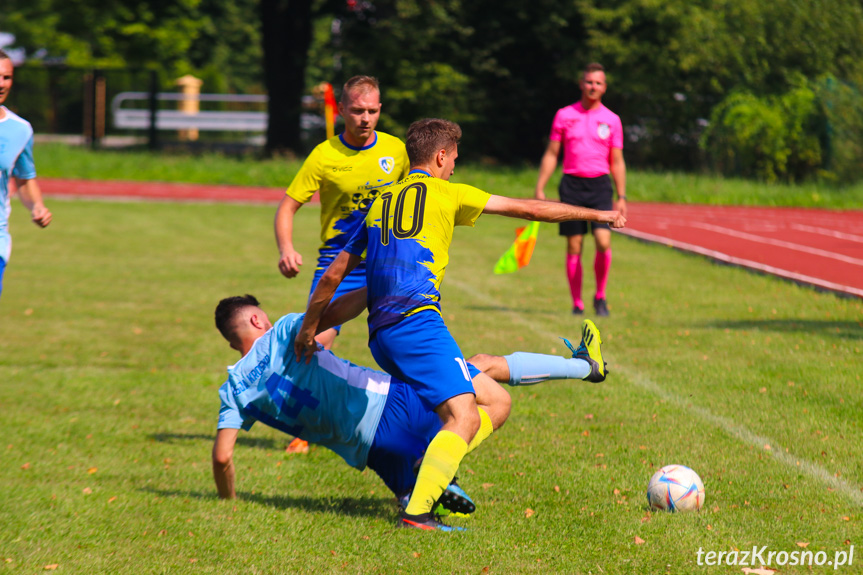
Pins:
x: 467, y: 424
x: 222, y: 457
x: 482, y: 362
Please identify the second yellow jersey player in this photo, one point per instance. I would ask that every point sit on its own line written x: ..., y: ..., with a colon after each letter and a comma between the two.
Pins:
x: 349, y: 179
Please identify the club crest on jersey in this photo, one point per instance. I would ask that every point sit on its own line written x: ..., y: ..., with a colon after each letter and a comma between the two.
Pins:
x: 603, y: 131
x: 387, y: 163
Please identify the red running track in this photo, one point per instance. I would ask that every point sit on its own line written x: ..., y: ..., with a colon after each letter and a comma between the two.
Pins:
x: 160, y: 191
x: 821, y: 248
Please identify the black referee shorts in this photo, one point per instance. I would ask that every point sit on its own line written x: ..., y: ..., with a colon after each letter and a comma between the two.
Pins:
x: 595, y: 193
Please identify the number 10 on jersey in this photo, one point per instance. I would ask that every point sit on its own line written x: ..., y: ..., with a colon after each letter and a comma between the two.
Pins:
x: 400, y: 230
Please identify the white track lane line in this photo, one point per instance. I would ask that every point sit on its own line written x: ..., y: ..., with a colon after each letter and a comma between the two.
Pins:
x: 712, y: 213
x: 742, y: 262
x: 827, y: 232
x: 740, y: 432
x: 777, y: 243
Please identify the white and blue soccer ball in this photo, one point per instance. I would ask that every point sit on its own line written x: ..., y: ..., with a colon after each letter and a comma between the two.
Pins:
x: 675, y: 488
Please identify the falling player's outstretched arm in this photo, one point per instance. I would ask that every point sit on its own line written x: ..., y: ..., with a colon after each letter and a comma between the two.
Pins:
x: 545, y: 211
x: 305, y: 345
x: 223, y: 462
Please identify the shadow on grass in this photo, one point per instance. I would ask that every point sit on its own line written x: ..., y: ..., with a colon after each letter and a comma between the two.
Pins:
x: 843, y: 329
x: 263, y: 443
x: 350, y: 506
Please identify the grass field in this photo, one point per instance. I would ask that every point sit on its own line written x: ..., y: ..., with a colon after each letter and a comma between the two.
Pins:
x: 61, y: 161
x: 110, y: 365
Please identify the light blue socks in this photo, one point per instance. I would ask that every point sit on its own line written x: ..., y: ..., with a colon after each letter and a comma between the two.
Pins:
x: 532, y: 368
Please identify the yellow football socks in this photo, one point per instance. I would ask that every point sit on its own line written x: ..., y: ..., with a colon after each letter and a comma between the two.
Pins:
x: 441, y: 461
x: 485, y: 429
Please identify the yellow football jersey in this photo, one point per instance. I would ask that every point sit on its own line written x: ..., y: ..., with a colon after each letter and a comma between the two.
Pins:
x: 349, y: 179
x: 407, y: 234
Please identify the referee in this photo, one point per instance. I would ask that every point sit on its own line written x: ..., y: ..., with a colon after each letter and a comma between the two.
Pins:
x: 592, y: 138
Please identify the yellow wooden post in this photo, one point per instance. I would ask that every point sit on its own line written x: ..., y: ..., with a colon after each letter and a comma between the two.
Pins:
x: 190, y: 104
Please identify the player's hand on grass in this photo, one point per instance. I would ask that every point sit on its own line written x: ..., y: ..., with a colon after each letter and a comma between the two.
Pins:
x: 290, y: 262
x: 41, y: 216
x: 305, y: 345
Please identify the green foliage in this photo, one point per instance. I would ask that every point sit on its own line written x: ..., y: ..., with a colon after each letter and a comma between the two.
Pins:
x: 215, y: 38
x: 672, y: 62
x: 496, y: 67
x: 502, y: 67
x: 226, y: 52
x: 772, y: 138
x: 403, y: 39
x: 431, y: 89
x: 843, y: 107
x: 106, y: 33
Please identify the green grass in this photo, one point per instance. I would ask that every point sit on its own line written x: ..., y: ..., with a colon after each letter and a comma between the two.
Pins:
x: 110, y: 365
x: 61, y: 161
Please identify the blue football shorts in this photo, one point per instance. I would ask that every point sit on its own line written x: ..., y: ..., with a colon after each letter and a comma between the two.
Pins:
x: 404, y: 432
x: 420, y: 351
x: 354, y: 280
x: 2, y: 269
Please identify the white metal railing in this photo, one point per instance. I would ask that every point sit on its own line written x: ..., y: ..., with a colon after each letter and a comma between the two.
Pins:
x: 214, y: 120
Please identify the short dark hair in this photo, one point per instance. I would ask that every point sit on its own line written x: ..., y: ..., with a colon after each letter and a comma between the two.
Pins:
x: 4, y: 55
x: 227, y: 311
x: 426, y: 137
x: 593, y: 67
x: 362, y: 84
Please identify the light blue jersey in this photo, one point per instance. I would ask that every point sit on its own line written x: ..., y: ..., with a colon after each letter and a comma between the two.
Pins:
x: 329, y: 401
x: 16, y: 160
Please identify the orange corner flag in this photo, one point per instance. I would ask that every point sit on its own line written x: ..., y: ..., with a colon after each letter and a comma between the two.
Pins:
x: 330, y: 108
x: 519, y: 253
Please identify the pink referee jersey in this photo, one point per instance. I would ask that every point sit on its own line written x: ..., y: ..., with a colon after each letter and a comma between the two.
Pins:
x: 588, y: 137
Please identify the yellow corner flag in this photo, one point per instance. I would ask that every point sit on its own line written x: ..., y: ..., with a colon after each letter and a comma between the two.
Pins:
x: 518, y: 254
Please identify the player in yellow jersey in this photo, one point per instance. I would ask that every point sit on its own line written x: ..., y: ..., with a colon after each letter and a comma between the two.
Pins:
x: 348, y: 170
x: 406, y: 237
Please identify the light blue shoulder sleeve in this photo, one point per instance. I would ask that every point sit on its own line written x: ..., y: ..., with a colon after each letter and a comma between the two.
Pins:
x: 230, y: 416
x: 25, y: 167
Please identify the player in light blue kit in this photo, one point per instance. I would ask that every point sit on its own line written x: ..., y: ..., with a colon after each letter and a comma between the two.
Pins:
x: 366, y: 416
x: 16, y: 161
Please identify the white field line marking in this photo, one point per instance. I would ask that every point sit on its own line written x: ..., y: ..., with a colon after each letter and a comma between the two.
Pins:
x: 825, y: 232
x: 777, y: 243
x: 740, y: 432
x: 737, y: 431
x: 742, y: 262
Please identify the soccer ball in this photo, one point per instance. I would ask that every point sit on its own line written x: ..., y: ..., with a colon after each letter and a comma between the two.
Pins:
x: 675, y: 488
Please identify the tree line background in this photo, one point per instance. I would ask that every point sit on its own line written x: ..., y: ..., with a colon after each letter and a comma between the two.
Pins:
x: 758, y: 89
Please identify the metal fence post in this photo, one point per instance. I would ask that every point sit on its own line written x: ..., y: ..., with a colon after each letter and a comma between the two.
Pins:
x: 98, y: 108
x: 152, y: 133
